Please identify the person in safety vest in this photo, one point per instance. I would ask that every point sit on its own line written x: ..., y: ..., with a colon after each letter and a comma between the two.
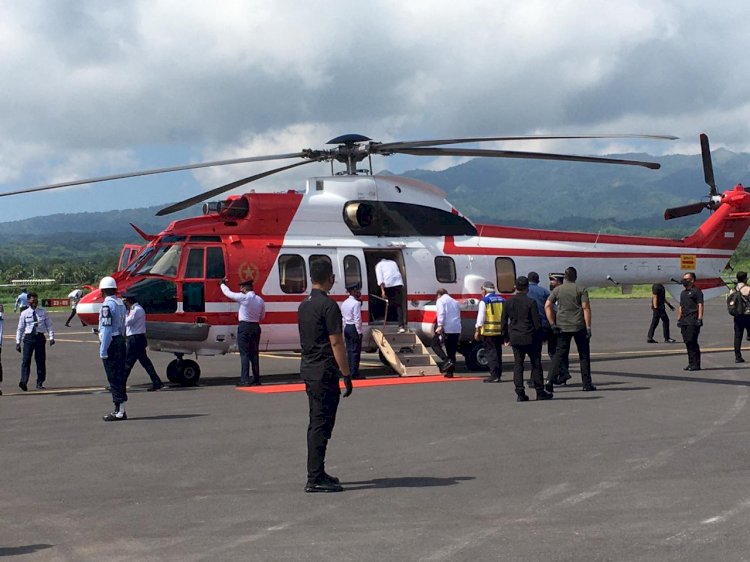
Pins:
x: 489, y: 329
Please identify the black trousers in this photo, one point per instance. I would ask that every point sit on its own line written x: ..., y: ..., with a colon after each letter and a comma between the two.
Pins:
x: 552, y: 348
x: 248, y: 342
x: 323, y: 397
x: 741, y: 325
x: 659, y: 314
x: 135, y: 351
x: 493, y: 350
x: 34, y: 345
x: 451, y: 346
x: 353, y: 342
x: 534, y: 353
x: 563, y: 350
x: 395, y: 296
x: 690, y: 337
x: 72, y: 314
x: 114, y: 366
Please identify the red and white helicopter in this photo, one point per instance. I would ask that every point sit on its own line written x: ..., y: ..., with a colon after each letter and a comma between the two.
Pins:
x: 353, y: 219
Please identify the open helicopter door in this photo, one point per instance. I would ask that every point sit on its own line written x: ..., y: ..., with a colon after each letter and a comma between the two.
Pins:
x: 377, y: 308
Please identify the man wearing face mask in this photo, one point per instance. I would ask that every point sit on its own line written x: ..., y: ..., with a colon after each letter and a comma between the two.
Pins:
x: 690, y: 319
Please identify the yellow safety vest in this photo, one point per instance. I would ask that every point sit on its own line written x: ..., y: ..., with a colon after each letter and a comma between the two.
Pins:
x: 492, y: 312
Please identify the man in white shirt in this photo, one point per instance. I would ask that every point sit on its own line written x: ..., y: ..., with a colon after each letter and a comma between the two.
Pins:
x: 74, y: 296
x: 351, y: 318
x: 22, y: 300
x: 251, y: 313
x: 447, y: 331
x: 32, y: 325
x: 392, y: 288
x: 136, y: 342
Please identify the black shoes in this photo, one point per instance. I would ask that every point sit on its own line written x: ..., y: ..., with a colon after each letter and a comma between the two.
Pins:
x: 522, y: 398
x: 67, y: 325
x: 691, y: 368
x: 22, y: 386
x: 562, y: 380
x: 492, y: 379
x: 330, y: 478
x: 254, y: 382
x: 670, y: 340
x: 155, y: 386
x: 446, y: 365
x: 40, y: 387
x: 448, y: 376
x: 243, y: 384
x: 588, y: 388
x: 544, y: 395
x: 114, y: 416
x: 323, y: 486
x: 549, y: 387
x: 651, y: 340
x: 739, y: 360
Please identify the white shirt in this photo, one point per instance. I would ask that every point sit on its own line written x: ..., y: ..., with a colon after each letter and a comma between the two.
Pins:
x: 387, y: 273
x: 481, y: 311
x: 26, y: 323
x: 135, y: 321
x: 252, y: 307
x: 74, y: 296
x: 449, y: 314
x: 351, y: 313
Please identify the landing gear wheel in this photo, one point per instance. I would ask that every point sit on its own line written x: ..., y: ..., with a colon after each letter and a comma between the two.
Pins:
x: 184, y: 372
x: 475, y: 357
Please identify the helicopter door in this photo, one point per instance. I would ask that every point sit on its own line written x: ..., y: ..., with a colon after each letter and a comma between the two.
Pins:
x: 201, y: 263
x: 377, y: 304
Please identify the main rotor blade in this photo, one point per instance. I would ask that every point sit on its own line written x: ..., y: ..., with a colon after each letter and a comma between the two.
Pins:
x: 516, y: 154
x: 684, y: 211
x: 708, y: 167
x: 156, y: 171
x: 406, y: 144
x: 224, y: 188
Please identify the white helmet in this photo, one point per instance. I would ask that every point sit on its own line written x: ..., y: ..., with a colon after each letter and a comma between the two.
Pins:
x: 107, y: 283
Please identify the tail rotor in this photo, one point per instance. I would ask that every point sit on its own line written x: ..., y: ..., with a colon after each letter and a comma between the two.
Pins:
x: 714, y: 199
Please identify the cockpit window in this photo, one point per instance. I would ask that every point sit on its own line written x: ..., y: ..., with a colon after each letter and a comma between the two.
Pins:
x: 164, y: 261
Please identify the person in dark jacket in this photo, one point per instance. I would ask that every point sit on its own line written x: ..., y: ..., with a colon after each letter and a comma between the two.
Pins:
x: 522, y: 329
x: 658, y: 307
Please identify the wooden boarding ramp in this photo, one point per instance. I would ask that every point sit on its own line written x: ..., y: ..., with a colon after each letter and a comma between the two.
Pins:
x: 404, y: 352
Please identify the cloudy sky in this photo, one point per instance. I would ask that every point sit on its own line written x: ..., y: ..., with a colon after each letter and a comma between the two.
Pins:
x: 97, y: 87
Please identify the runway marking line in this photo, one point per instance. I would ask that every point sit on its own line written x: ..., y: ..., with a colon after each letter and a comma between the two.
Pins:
x: 363, y: 383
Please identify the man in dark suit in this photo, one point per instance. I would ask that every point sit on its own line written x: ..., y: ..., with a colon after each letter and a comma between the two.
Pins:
x: 522, y: 329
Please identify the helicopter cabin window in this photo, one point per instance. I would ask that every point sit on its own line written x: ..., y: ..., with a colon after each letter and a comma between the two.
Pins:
x: 215, y: 263
x: 352, y: 271
x: 156, y: 296
x: 391, y: 218
x: 193, y: 297
x: 445, y: 269
x: 194, y: 266
x: 164, y: 261
x: 292, y: 274
x: 318, y: 257
x: 505, y: 273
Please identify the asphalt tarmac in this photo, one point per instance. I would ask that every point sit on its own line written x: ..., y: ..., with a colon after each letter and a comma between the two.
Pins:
x: 653, y: 466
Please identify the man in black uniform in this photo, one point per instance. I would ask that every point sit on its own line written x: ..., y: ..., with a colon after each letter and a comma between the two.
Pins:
x: 522, y: 328
x: 690, y: 320
x: 658, y: 307
x: 323, y: 360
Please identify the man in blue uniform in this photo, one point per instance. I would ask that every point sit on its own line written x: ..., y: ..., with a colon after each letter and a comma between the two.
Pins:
x: 323, y: 361
x: 22, y: 300
x: 32, y: 324
x: 136, y: 342
x: 112, y: 347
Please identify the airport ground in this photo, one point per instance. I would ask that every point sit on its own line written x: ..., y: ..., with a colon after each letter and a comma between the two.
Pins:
x: 652, y: 466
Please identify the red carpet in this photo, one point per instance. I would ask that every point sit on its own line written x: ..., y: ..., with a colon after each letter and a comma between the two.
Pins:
x: 384, y: 381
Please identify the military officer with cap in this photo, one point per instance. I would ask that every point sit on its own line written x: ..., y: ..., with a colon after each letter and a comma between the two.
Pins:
x: 251, y: 313
x: 136, y: 342
x: 32, y: 324
x: 489, y: 329
x: 351, y: 317
x: 112, y: 347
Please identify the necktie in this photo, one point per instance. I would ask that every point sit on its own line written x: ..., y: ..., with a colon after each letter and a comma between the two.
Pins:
x: 36, y: 322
